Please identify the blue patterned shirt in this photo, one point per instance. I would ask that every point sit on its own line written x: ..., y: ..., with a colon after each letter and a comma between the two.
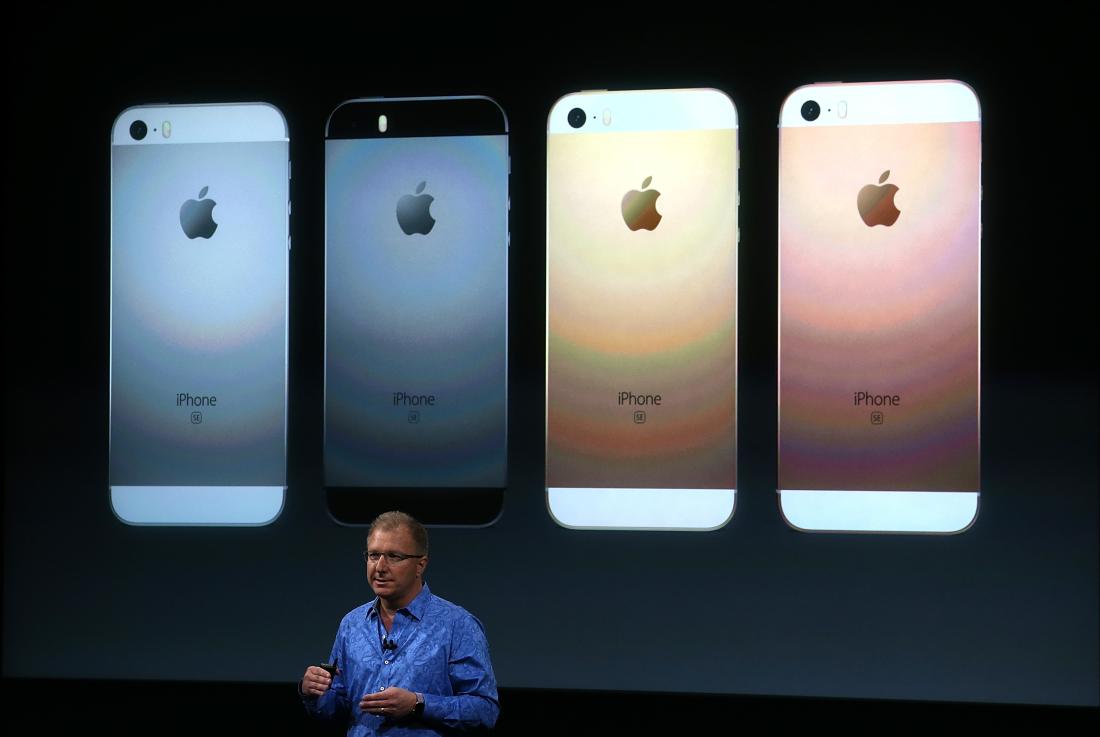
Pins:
x: 441, y: 652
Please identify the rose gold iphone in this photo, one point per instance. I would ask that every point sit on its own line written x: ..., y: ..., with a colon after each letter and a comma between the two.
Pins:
x: 879, y: 286
x: 641, y: 265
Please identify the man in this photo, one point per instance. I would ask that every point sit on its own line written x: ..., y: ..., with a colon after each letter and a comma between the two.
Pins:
x: 408, y: 662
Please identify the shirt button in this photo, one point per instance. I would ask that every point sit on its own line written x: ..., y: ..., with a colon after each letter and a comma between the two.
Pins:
x: 387, y: 662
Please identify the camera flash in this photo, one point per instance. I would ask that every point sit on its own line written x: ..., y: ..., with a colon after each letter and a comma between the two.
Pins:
x: 842, y: 109
x: 166, y: 128
x: 607, y: 116
x: 383, y: 124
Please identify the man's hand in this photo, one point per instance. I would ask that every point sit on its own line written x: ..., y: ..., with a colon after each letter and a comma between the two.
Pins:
x: 390, y: 702
x: 316, y: 681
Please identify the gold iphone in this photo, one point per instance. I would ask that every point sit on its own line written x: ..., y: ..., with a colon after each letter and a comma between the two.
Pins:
x: 641, y: 305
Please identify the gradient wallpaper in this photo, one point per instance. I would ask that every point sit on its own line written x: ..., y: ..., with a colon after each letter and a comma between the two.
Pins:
x: 646, y: 312
x: 417, y: 316
x: 887, y: 311
x: 206, y: 317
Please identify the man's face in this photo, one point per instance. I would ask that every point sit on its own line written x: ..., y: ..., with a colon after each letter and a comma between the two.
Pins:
x: 395, y: 582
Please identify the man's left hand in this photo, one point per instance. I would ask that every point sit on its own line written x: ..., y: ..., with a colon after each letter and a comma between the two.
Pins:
x: 391, y: 702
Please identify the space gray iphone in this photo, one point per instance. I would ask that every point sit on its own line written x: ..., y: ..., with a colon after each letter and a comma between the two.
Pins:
x: 416, y: 318
x: 198, y: 355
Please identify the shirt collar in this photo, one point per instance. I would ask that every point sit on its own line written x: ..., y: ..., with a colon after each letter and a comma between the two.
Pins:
x: 418, y: 607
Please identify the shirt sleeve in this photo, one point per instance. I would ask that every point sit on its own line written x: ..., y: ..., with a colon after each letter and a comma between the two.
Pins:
x: 334, y: 702
x: 474, y: 702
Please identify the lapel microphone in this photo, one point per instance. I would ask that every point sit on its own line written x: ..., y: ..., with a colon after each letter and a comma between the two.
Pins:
x: 388, y: 644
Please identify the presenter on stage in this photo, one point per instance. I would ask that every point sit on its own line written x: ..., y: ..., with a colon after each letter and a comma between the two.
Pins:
x: 408, y: 662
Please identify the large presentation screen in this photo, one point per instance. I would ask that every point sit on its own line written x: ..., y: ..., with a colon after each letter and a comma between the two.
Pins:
x: 888, y: 394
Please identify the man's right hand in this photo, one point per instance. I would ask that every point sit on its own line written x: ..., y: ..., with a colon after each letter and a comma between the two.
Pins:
x: 316, y: 681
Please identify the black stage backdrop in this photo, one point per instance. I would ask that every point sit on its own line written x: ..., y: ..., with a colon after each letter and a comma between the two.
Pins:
x: 1005, y: 613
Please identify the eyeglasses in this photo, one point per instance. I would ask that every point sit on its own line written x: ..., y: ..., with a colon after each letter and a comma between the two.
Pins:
x: 373, y: 556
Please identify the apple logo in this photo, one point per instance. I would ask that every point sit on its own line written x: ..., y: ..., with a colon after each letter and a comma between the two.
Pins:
x: 412, y: 212
x: 640, y: 208
x: 876, y: 204
x: 196, y: 217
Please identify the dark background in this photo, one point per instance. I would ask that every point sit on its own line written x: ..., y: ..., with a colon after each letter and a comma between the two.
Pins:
x: 124, y: 623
